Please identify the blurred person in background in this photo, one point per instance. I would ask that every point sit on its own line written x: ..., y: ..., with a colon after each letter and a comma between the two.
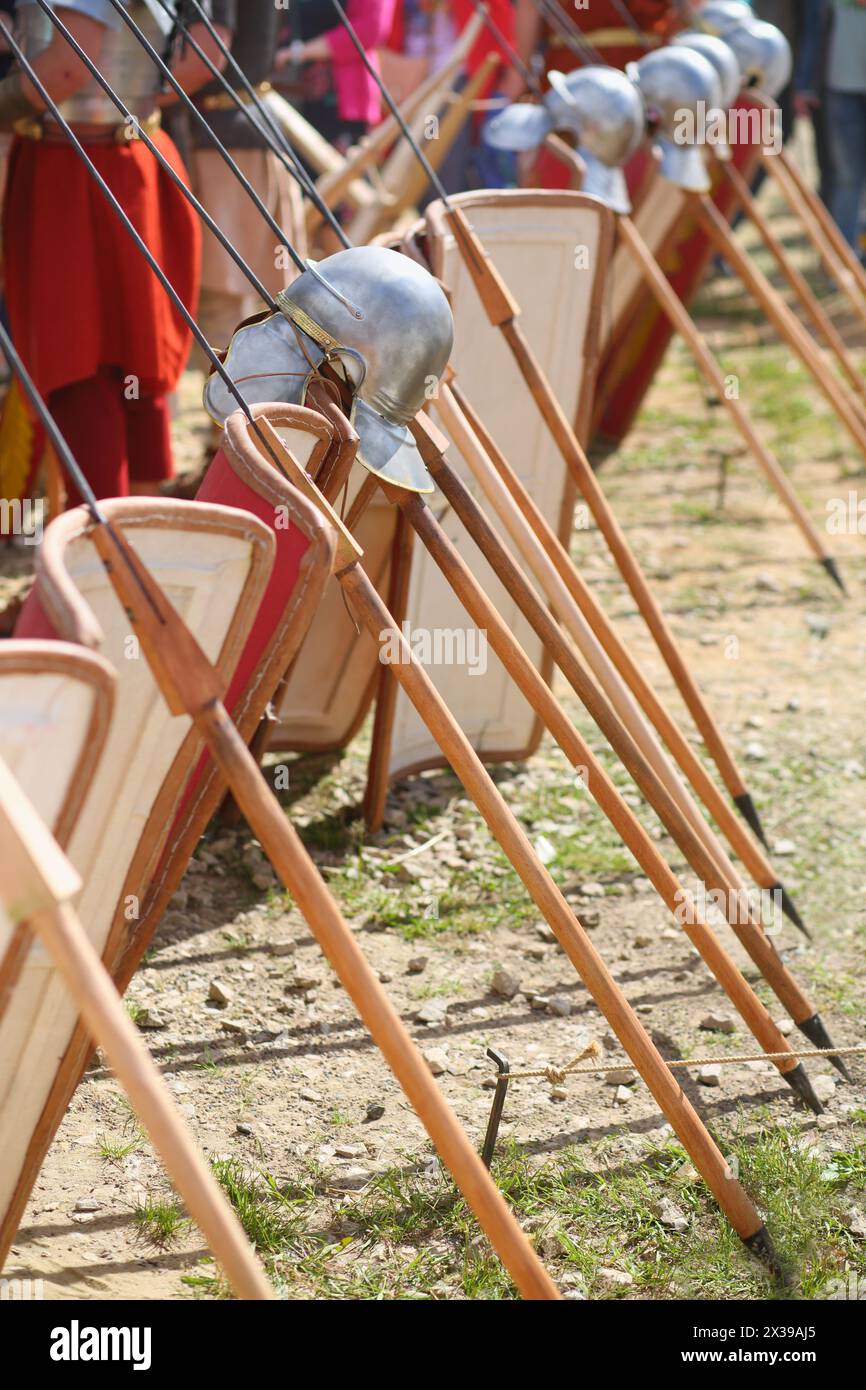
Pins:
x: 836, y: 42
x: 98, y: 333
x: 810, y: 87
x: 424, y: 33
x: 250, y: 29
x: 339, y: 97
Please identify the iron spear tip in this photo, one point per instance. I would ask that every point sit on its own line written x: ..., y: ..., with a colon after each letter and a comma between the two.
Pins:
x: 790, y: 910
x: 761, y: 1245
x: 746, y: 807
x: 832, y: 569
x: 815, y: 1030
x: 798, y: 1080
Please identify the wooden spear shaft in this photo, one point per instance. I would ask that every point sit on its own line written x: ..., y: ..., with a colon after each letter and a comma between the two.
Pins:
x: 844, y: 279
x: 659, y: 285
x: 821, y: 320
x: 502, y: 312
x: 579, y: 754
x: 785, y: 322
x: 190, y: 686
x: 838, y: 256
x: 524, y: 515
x: 753, y: 939
x: 372, y: 613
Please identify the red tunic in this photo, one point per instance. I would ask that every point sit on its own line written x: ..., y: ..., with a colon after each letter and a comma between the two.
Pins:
x: 79, y: 293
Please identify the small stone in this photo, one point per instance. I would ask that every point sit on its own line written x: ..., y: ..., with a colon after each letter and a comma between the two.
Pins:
x: 784, y: 847
x: 283, y: 948
x: 151, y: 1020
x: 591, y: 890
x: 620, y: 1076
x: 685, y: 1175
x: 671, y: 1217
x: 546, y: 851
x: 558, y: 1093
x: 855, y: 1224
x: 374, y: 1111
x: 590, y: 920
x: 233, y: 1026
x: 437, y: 1060
x: 642, y: 940
x: 243, y: 1128
x: 718, y: 1023
x: 350, y: 1150
x: 310, y: 1095
x: 417, y: 965
x: 767, y: 584
x: 350, y: 1179
x: 622, y: 1095
x: 559, y: 1005
x: 824, y: 1087
x: 793, y: 704
x: 504, y: 984
x: 613, y: 1278
x: 300, y: 983
x: 87, y: 1204
x: 785, y: 1025
x: 544, y: 932
x: 219, y: 993
x: 818, y: 625
x: 756, y: 752
x: 539, y: 1002
x: 710, y: 1075
x: 432, y: 1013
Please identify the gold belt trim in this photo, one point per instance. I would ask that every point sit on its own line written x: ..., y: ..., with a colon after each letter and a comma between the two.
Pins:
x: 223, y: 101
x: 611, y: 38
x: 39, y: 128
x: 307, y: 325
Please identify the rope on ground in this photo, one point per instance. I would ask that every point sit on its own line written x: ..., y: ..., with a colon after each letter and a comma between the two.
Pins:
x: 556, y: 1075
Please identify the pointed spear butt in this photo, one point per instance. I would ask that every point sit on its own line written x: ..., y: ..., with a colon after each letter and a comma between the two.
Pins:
x: 829, y: 565
x: 746, y: 807
x: 790, y: 910
x: 814, y: 1030
x: 761, y: 1245
x: 798, y: 1080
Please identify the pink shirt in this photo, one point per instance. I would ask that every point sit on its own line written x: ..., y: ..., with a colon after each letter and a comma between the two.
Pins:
x: 358, y: 97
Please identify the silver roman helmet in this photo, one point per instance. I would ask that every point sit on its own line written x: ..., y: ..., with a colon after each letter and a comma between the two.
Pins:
x: 382, y: 321
x: 601, y: 108
x: 724, y: 60
x: 681, y: 90
x: 607, y: 114
x: 764, y: 56
x: 720, y: 16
